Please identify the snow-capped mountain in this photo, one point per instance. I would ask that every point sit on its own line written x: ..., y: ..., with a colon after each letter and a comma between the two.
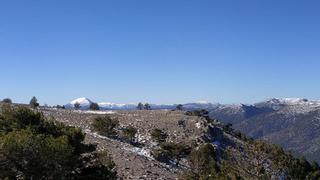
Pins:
x: 86, y: 102
x: 292, y: 123
x: 298, y: 105
x: 229, y: 112
x: 83, y: 102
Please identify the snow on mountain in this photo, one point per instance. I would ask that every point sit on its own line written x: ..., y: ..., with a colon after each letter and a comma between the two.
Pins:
x: 291, y: 105
x: 294, y: 105
x: 114, y: 106
x: 84, y: 103
x: 291, y: 101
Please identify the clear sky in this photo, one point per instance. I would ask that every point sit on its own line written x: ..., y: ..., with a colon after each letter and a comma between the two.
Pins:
x: 160, y: 51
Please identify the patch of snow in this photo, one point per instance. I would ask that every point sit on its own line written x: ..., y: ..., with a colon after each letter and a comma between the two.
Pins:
x: 94, y: 134
x: 99, y: 112
x: 94, y: 112
x: 198, y: 125
x: 140, y: 151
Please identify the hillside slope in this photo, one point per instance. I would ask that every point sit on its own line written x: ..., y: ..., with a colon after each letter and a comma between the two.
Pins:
x: 291, y: 123
x: 234, y: 154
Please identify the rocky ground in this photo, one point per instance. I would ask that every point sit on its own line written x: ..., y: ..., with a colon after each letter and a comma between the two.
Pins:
x: 136, y: 162
x: 234, y: 152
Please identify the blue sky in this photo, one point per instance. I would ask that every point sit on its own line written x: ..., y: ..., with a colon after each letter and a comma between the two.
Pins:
x: 160, y: 51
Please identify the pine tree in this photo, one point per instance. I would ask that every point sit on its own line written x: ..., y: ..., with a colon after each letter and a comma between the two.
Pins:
x: 77, y: 106
x: 7, y: 100
x: 147, y: 106
x: 34, y: 102
x: 140, y: 106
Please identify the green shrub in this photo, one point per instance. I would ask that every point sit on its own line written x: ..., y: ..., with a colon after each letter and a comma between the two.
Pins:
x: 296, y: 168
x: 203, y: 160
x: 227, y: 128
x: 200, y: 113
x: 158, y: 135
x: 129, y: 133
x: 169, y: 151
x: 33, y: 147
x: 7, y: 100
x: 105, y: 125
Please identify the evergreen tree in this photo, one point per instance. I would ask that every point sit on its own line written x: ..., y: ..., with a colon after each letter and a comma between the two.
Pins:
x: 34, y: 102
x: 7, y: 100
x: 77, y: 106
x: 140, y: 106
x: 147, y: 106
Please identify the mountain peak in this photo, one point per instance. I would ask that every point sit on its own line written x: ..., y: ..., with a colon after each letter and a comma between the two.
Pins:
x: 82, y: 100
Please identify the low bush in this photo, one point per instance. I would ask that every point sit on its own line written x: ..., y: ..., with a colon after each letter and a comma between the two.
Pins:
x: 129, y: 133
x: 105, y: 126
x: 158, y: 135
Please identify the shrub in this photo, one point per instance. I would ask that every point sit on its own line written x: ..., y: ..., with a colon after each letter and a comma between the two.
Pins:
x: 105, y: 125
x: 203, y: 160
x: 129, y: 133
x: 171, y: 152
x: 7, y: 100
x: 60, y: 107
x: 182, y: 123
x: 296, y: 168
x: 227, y: 127
x: 158, y: 135
x: 32, y: 147
x: 201, y: 113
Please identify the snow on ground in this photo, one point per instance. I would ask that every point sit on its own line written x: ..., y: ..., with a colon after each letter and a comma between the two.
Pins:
x: 198, y: 125
x: 94, y: 112
x: 140, y: 151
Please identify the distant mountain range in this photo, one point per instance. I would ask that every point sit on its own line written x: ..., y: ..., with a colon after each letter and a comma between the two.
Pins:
x: 293, y: 123
x: 85, y: 105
